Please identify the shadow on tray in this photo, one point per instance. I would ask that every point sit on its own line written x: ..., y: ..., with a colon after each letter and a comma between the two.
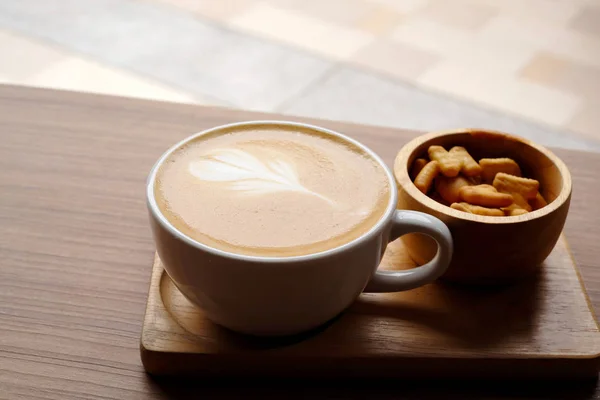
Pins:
x: 471, y: 317
x: 468, y: 317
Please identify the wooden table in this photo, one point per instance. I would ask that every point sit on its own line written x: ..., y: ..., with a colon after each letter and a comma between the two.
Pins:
x: 76, y: 251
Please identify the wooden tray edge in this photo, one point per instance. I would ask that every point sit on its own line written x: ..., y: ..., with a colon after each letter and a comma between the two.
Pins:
x: 186, y: 364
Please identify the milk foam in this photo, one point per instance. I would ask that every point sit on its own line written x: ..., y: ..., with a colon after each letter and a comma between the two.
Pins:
x: 270, y: 191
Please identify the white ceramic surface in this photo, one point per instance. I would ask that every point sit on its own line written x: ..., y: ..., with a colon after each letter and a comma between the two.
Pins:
x: 288, y: 295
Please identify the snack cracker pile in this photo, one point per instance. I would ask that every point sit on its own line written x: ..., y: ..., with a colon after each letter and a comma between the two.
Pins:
x: 493, y: 186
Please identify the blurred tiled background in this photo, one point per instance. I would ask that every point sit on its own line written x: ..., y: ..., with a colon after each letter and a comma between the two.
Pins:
x: 531, y: 67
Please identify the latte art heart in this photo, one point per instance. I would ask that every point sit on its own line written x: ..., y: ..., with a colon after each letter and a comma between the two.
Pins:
x: 271, y: 191
x: 249, y: 175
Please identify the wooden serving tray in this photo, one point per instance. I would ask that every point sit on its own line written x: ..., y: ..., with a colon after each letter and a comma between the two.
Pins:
x: 543, y: 327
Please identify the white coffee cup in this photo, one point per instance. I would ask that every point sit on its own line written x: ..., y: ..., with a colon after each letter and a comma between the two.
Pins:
x: 286, y: 295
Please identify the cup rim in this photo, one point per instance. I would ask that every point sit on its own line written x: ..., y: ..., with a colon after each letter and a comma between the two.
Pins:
x: 402, y: 178
x: 166, y: 224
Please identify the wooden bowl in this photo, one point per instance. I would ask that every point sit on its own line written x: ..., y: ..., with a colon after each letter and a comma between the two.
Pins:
x: 489, y: 250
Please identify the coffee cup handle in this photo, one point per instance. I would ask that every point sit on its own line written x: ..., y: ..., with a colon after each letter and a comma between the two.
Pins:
x: 415, y: 222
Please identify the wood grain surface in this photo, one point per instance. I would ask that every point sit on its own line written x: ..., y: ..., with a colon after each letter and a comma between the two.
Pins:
x: 76, y: 251
x: 539, y: 327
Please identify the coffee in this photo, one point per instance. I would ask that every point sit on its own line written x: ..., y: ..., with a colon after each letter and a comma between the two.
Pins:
x: 270, y: 190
